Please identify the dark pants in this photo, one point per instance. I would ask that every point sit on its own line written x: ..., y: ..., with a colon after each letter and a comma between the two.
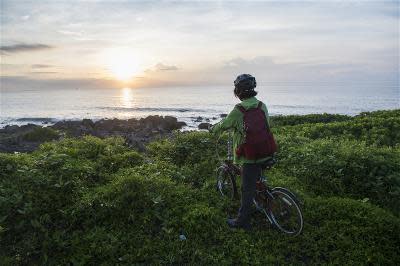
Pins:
x: 250, y: 174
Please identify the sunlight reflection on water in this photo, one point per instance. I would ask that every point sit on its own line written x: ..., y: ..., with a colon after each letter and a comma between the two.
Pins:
x: 186, y: 103
x: 127, y: 97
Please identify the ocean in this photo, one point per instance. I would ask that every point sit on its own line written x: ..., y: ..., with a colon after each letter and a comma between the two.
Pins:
x: 47, y: 106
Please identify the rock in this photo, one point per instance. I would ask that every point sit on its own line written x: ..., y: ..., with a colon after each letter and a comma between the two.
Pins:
x: 10, y: 129
x: 204, y: 126
x: 182, y: 124
x: 28, y: 127
x: 150, y: 121
x: 136, y: 132
x: 74, y: 128
x: 161, y: 123
x: 170, y: 123
x: 223, y: 115
x: 87, y: 123
x: 207, y: 119
x: 198, y: 119
x: 108, y: 125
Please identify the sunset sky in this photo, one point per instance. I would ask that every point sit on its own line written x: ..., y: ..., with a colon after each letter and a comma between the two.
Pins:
x: 164, y: 43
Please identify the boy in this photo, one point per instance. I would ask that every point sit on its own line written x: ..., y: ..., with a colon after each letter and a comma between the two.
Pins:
x: 251, y: 166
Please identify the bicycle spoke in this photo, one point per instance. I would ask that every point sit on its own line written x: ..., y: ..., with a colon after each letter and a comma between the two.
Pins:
x: 286, y: 213
x: 224, y: 183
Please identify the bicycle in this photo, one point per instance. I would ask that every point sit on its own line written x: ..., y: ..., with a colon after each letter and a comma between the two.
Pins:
x: 280, y: 206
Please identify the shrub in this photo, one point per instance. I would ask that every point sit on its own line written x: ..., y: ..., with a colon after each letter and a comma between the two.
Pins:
x: 291, y: 120
x: 38, y: 190
x: 381, y: 131
x: 380, y: 113
x: 94, y: 201
x: 138, y: 219
x: 344, y: 231
x: 346, y: 168
x: 41, y: 134
x: 194, y: 153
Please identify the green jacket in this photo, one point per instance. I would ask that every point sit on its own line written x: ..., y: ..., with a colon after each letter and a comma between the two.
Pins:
x: 234, y: 121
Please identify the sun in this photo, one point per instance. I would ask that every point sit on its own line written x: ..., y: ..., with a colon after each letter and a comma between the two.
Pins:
x: 122, y: 64
x: 123, y: 70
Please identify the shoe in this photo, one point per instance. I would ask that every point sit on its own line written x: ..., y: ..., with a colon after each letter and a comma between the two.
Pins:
x: 233, y: 223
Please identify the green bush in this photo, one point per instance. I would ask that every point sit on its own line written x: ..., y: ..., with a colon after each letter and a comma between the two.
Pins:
x: 95, y: 201
x: 380, y: 113
x: 344, y: 231
x: 139, y: 216
x: 379, y: 130
x: 38, y: 190
x: 194, y: 153
x: 346, y: 168
x: 41, y: 134
x: 291, y: 120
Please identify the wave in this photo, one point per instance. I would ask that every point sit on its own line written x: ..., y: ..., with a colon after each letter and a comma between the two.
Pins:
x: 291, y: 106
x: 154, y: 109
x: 36, y: 119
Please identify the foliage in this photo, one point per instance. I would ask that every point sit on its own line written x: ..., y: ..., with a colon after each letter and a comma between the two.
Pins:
x: 291, y: 120
x: 346, y: 168
x: 41, y: 134
x: 194, y: 153
x: 95, y: 201
x: 381, y: 131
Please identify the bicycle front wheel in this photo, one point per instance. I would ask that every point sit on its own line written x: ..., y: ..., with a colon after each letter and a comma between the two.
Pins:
x: 285, y: 211
x: 226, y: 183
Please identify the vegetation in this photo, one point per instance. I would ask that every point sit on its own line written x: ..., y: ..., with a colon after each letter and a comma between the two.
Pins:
x: 95, y: 201
x: 41, y: 134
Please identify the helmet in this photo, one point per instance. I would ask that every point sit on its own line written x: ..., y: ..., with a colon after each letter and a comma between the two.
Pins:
x: 244, y: 83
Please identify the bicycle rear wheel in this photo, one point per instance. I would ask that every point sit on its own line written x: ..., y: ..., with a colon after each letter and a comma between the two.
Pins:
x: 285, y: 211
x: 226, y: 183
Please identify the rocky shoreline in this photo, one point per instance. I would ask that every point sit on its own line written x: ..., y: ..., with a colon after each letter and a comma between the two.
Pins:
x: 136, y: 132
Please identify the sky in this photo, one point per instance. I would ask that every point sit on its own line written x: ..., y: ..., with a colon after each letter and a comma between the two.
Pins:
x: 188, y: 43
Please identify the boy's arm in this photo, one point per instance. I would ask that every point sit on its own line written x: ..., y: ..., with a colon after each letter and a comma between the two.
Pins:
x: 228, y: 122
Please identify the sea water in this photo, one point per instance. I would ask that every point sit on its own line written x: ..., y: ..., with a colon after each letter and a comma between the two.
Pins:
x: 46, y: 106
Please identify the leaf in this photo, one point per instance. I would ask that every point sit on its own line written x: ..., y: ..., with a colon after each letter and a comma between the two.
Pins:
x: 2, y: 219
x: 35, y: 223
x: 158, y: 199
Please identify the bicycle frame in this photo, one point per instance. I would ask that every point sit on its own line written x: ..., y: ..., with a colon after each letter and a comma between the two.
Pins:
x: 264, y: 199
x: 262, y: 188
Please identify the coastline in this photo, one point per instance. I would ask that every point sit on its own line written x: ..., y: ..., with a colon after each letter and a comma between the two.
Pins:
x: 136, y: 132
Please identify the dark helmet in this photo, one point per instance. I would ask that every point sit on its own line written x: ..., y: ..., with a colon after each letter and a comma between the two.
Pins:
x: 244, y: 84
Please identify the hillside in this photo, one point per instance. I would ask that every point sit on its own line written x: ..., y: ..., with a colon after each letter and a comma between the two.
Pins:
x: 96, y: 201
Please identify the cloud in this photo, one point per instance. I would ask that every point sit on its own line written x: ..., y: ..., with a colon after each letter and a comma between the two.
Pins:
x: 23, y: 82
x: 162, y: 67
x: 44, y: 72
x: 71, y: 33
x: 22, y: 47
x: 269, y: 70
x: 41, y: 66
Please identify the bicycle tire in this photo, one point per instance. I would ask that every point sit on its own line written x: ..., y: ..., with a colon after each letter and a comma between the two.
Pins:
x: 226, y: 183
x: 285, y: 212
x: 293, y: 195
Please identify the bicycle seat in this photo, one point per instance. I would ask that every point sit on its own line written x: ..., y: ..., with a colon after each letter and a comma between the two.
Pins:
x: 269, y: 163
